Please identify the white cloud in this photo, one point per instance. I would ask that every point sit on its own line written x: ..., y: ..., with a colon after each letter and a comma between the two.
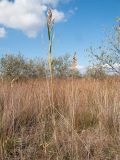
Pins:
x: 58, y: 16
x: 2, y: 32
x: 82, y: 69
x: 116, y: 66
x: 72, y: 11
x: 28, y: 16
x: 53, y: 2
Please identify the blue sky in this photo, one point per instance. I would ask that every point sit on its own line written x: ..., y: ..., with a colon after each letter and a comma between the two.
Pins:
x: 81, y: 24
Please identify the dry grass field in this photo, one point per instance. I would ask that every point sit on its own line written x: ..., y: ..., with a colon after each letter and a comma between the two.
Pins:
x: 74, y: 119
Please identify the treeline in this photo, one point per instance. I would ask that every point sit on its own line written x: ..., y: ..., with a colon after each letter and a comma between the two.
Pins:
x: 12, y: 66
x: 17, y: 66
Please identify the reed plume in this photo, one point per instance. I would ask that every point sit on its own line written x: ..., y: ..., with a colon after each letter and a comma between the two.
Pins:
x: 50, y: 24
x: 74, y: 62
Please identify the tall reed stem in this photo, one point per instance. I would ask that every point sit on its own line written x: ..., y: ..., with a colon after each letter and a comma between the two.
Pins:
x: 50, y: 25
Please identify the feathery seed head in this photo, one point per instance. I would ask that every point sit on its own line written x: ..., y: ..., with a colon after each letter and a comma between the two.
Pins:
x: 49, y: 18
x: 74, y: 63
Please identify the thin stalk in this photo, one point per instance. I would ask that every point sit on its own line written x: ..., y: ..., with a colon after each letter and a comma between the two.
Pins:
x: 50, y: 24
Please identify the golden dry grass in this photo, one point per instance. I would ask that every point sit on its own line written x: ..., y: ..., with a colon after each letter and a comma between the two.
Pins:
x: 87, y: 120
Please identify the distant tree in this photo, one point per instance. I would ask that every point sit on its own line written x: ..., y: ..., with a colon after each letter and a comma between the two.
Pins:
x: 40, y: 67
x: 96, y: 72
x: 108, y: 55
x: 12, y: 66
x: 61, y: 66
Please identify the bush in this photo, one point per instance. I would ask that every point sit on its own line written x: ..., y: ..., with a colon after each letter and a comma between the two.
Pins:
x: 12, y: 66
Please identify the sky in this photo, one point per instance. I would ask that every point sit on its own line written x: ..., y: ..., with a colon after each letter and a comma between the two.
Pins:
x: 79, y: 24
